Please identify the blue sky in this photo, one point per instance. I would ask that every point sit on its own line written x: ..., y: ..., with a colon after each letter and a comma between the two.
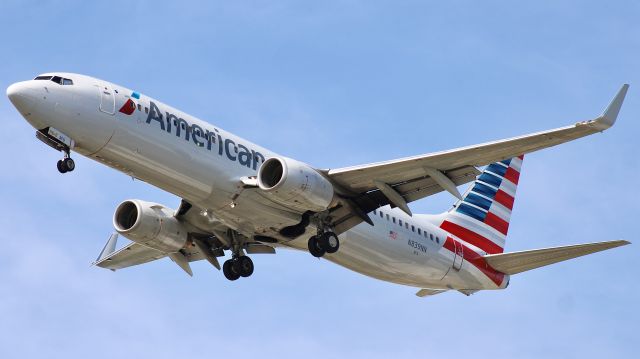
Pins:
x: 332, y: 83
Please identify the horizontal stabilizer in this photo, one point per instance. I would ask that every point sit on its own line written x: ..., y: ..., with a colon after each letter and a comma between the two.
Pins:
x: 517, y: 262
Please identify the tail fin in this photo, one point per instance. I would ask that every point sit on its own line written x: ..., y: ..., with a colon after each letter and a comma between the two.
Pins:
x: 482, y: 217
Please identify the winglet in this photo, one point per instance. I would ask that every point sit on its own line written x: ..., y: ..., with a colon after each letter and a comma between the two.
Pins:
x: 108, y: 249
x: 608, y: 118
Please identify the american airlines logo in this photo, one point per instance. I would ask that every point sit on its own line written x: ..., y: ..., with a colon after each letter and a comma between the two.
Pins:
x: 211, y: 140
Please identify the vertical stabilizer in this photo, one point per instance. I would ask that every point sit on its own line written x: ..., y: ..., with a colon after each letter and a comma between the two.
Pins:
x: 482, y: 217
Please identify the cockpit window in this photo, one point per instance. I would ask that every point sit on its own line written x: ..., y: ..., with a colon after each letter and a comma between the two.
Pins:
x: 57, y: 79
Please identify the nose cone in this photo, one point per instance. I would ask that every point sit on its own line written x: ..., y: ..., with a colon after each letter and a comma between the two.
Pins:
x: 14, y: 90
x: 21, y: 96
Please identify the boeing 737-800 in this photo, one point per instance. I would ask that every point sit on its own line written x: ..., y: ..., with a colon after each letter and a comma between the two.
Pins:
x: 244, y: 199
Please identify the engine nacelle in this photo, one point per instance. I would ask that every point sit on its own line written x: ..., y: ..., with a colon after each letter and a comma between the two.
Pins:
x: 295, y: 184
x: 150, y: 224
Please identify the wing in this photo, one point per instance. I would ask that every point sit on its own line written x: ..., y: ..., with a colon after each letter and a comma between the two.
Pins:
x: 134, y: 254
x: 127, y: 256
x: 207, y: 239
x: 398, y: 182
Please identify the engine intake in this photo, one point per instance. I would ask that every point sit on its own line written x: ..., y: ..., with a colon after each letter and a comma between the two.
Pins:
x: 295, y: 184
x: 151, y: 224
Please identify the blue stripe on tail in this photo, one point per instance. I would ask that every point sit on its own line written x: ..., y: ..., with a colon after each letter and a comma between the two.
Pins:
x: 471, y: 212
x: 484, y: 190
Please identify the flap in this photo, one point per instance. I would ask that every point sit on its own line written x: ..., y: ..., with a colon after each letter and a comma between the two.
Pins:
x: 425, y: 292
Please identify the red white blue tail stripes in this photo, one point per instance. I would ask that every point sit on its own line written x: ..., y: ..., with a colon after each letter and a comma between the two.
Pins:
x: 482, y: 217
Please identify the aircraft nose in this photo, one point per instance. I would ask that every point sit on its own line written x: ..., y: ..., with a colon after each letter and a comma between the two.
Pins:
x: 19, y: 95
x: 14, y: 90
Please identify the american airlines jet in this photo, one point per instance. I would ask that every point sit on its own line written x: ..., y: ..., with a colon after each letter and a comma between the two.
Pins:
x: 244, y: 199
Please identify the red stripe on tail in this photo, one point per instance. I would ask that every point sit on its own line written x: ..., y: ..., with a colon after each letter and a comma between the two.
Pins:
x: 497, y: 223
x: 512, y: 175
x: 471, y: 237
x: 476, y: 260
x: 504, y: 199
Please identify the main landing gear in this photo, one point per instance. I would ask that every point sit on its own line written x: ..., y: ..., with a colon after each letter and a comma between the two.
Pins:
x: 237, y: 267
x: 322, y: 243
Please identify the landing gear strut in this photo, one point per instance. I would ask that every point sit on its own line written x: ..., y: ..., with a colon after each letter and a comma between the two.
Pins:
x: 326, y: 242
x: 239, y: 265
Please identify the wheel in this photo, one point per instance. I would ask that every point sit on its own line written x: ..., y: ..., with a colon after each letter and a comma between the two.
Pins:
x: 314, y: 247
x: 228, y: 270
x: 245, y: 266
x: 69, y: 163
x: 330, y: 242
x: 61, y: 167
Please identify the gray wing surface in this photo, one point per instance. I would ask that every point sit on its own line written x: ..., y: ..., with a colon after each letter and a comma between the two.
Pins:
x: 367, y: 187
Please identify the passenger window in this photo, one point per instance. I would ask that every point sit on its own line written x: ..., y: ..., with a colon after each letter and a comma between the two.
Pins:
x: 431, y: 236
x: 413, y: 228
x: 139, y: 107
x: 400, y: 222
x: 406, y: 225
x: 146, y: 109
x: 419, y: 231
x: 387, y: 217
x: 425, y: 234
x: 438, y: 240
x: 381, y: 215
x: 394, y: 219
x: 374, y: 212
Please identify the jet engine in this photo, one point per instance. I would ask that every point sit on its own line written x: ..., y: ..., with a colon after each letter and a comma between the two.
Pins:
x: 150, y: 224
x: 295, y: 184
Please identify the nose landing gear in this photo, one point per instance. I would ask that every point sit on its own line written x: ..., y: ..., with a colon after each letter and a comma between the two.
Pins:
x: 67, y: 164
x: 61, y: 142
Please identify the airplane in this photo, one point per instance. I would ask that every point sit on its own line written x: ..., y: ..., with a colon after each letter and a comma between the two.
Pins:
x: 244, y: 199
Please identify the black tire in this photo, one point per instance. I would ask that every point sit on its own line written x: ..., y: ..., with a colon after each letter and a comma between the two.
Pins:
x: 245, y: 265
x: 314, y: 247
x: 330, y: 242
x: 61, y: 167
x: 229, y: 272
x: 69, y: 163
